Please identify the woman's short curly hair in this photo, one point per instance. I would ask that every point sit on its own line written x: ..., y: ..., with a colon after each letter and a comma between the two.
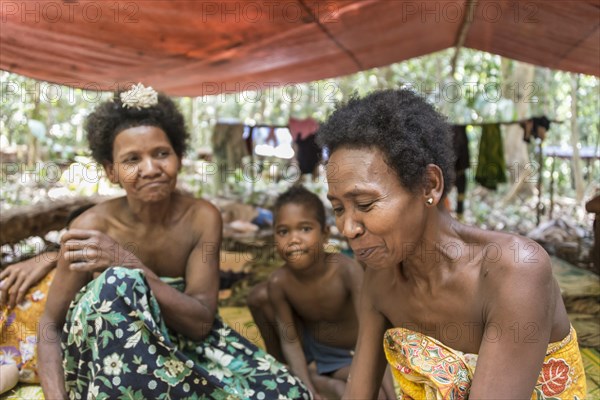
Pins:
x: 403, y: 126
x: 110, y: 118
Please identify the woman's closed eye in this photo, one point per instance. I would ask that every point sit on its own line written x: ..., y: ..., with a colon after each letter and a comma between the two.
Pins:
x: 365, y: 206
x: 338, y: 210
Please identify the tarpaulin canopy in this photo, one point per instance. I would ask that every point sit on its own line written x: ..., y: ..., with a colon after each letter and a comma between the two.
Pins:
x: 207, y: 47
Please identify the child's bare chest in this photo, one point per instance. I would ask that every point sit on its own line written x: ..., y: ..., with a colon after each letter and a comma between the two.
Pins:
x: 328, y: 300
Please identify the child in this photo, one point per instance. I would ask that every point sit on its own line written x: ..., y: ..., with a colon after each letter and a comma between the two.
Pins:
x: 313, y: 298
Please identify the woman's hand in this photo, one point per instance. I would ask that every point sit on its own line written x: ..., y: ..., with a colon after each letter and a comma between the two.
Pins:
x: 17, y: 279
x: 93, y: 251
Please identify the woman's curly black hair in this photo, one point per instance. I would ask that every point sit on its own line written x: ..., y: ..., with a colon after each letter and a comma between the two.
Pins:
x: 110, y: 118
x: 304, y: 197
x: 403, y: 126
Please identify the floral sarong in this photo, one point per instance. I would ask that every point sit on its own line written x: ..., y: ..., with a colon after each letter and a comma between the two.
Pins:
x: 116, y: 345
x: 18, y: 331
x: 426, y: 369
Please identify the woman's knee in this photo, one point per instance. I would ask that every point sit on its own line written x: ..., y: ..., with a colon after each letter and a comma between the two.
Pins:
x: 110, y: 282
x: 258, y: 298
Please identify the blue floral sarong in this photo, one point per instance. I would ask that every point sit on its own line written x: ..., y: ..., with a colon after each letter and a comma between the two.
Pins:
x: 116, y: 345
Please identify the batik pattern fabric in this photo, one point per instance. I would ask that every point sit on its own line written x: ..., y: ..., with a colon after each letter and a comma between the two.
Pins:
x: 425, y: 368
x: 18, y: 331
x: 116, y: 345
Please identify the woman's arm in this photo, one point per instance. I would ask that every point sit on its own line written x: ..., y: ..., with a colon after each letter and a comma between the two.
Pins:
x: 518, y: 314
x: 368, y: 364
x: 17, y: 279
x: 593, y: 205
x: 353, y: 279
x: 63, y: 289
x: 190, y: 313
x: 291, y: 345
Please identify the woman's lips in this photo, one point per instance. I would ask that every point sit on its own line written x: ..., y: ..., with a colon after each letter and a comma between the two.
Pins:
x: 364, y: 253
x: 153, y: 184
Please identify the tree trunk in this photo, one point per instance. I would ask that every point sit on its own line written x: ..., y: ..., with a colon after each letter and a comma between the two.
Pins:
x: 32, y: 141
x: 576, y: 161
x: 517, y: 88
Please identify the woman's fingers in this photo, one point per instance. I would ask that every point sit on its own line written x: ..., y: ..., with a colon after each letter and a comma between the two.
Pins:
x: 77, y: 234
x: 82, y: 267
x: 6, y: 272
x: 81, y: 235
x: 29, y: 281
x: 80, y: 244
x: 88, y: 254
x: 17, y: 291
x: 5, y: 286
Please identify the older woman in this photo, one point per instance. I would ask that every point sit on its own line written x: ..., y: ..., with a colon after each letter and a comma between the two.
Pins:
x: 137, y: 279
x: 462, y: 312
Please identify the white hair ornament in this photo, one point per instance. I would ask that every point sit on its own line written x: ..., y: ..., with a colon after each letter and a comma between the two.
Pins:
x: 139, y: 97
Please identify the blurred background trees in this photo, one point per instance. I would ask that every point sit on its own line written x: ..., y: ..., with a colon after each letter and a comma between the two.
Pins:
x: 43, y: 122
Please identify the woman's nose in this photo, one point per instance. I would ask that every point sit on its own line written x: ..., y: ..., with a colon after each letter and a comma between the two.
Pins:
x: 148, y: 168
x: 351, y: 228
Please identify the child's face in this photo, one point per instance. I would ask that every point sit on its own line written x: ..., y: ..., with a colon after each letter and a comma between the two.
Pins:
x: 299, y: 236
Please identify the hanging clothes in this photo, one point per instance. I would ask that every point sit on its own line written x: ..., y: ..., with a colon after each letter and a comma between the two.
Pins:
x: 229, y: 145
x: 249, y: 139
x: 535, y: 127
x: 461, y: 150
x: 308, y: 153
x: 271, y: 137
x: 302, y: 128
x: 491, y: 166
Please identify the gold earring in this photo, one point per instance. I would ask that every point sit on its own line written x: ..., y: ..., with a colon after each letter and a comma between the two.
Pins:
x: 430, y: 201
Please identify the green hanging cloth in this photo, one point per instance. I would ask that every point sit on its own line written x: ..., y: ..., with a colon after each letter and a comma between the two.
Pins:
x: 491, y: 166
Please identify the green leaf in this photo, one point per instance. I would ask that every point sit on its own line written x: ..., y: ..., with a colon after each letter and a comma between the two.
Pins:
x: 129, y: 394
x: 270, y: 384
x: 294, y: 393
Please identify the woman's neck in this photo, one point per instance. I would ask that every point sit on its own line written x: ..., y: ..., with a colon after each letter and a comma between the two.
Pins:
x: 437, y: 251
x: 151, y: 213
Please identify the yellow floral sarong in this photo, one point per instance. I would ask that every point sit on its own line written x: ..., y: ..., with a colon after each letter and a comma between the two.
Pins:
x: 426, y: 369
x: 18, y: 331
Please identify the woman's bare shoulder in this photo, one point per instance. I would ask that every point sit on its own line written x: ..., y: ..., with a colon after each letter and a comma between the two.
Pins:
x: 510, y: 259
x: 96, y: 217
x: 200, y: 218
x: 196, y: 206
